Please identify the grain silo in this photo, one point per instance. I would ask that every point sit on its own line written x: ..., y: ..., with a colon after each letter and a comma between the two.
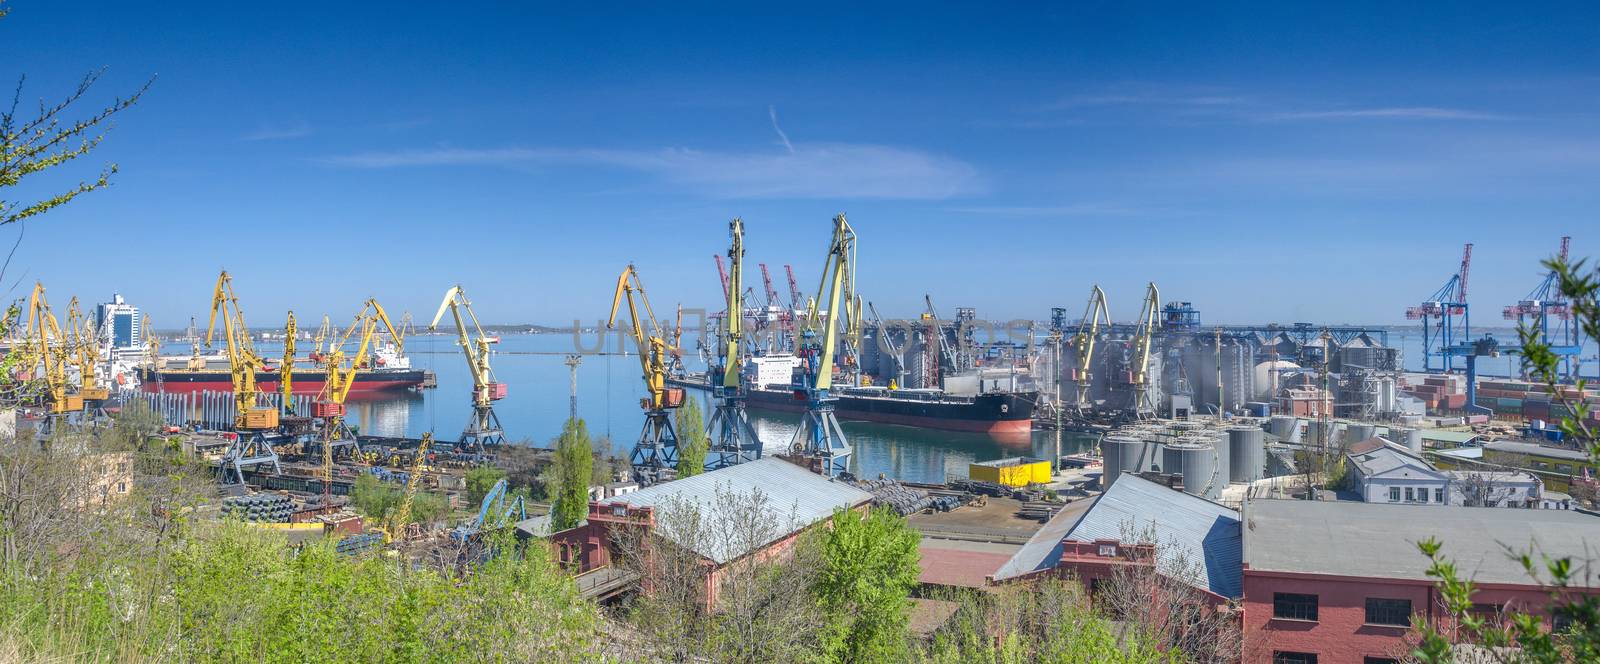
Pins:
x: 1247, y: 454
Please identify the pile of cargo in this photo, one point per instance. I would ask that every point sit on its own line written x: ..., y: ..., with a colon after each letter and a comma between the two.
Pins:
x: 1440, y: 392
x: 1529, y: 401
x: 356, y: 545
x: 902, y: 499
x: 260, y: 508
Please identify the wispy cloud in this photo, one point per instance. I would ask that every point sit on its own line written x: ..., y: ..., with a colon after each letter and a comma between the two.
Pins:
x: 1387, y: 113
x: 1186, y: 103
x: 1068, y: 210
x: 772, y: 111
x: 824, y: 170
x: 278, y: 133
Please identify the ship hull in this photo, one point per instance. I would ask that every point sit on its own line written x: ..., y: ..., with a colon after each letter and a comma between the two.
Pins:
x: 305, y: 382
x: 999, y: 413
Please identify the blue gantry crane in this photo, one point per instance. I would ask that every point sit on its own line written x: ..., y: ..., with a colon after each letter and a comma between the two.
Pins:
x: 514, y: 511
x: 1546, y: 310
x: 1445, y: 320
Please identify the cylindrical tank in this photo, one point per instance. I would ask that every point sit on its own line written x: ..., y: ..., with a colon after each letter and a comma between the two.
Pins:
x: 1119, y: 454
x: 1357, y: 432
x: 1198, y: 465
x: 1410, y: 438
x: 1286, y: 428
x: 1247, y: 454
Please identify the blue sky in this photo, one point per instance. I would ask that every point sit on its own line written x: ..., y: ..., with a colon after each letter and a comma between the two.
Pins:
x: 1265, y: 161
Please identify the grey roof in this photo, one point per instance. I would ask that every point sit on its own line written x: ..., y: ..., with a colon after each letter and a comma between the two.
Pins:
x: 1185, y: 528
x: 1378, y: 540
x: 796, y: 497
x: 1191, y: 531
x: 1534, y: 448
x: 1381, y: 459
x: 1043, y: 550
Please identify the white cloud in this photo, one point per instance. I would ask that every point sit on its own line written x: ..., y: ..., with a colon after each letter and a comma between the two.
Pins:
x: 824, y: 170
x: 1389, y: 113
x: 278, y: 133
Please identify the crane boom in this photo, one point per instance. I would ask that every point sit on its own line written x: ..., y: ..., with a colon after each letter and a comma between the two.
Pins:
x: 286, y: 369
x: 402, y: 514
x: 484, y: 429
x: 243, y: 362
x: 1083, y: 342
x: 819, y: 436
x: 651, y: 342
x: 733, y: 327
x: 795, y: 298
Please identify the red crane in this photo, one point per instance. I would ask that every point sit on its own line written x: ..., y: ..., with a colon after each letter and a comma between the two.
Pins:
x: 766, y: 282
x: 722, y: 271
x: 795, y: 298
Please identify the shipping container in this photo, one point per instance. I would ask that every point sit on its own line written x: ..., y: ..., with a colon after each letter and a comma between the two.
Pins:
x: 1015, y: 471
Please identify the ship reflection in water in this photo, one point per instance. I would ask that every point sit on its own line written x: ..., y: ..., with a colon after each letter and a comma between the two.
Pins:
x: 919, y: 455
x: 388, y: 415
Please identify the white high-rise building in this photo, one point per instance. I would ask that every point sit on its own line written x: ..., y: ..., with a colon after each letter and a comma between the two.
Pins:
x: 121, y: 328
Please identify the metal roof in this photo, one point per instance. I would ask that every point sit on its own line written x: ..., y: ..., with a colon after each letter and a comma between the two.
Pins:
x: 1379, y: 540
x: 1453, y: 437
x: 1187, y: 529
x: 1537, y: 449
x: 1384, y: 457
x: 1185, y: 526
x: 796, y: 498
x: 1043, y: 550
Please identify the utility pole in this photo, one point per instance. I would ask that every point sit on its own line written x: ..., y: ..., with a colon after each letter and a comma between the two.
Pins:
x: 572, y: 364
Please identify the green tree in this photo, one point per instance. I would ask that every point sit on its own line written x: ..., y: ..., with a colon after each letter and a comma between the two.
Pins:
x: 30, y: 145
x: 692, y: 440
x: 869, y: 564
x: 574, y: 468
x: 1522, y: 636
x: 480, y: 479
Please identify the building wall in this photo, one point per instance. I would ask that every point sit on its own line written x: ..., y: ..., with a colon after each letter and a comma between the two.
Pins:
x: 1340, y: 634
x: 1377, y: 490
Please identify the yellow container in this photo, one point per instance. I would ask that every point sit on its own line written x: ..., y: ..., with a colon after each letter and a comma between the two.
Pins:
x: 1015, y: 471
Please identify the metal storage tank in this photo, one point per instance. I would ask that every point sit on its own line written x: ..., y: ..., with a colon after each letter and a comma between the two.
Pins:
x: 1286, y: 428
x: 1247, y: 454
x: 1198, y: 465
x: 1119, y: 454
x: 1410, y: 438
x: 1355, y: 433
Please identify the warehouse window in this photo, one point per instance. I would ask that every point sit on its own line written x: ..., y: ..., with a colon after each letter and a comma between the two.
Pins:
x: 1294, y: 606
x: 1396, y: 612
x: 1438, y: 495
x: 1281, y: 657
x: 1379, y: 660
x: 1409, y: 495
x: 1394, y: 494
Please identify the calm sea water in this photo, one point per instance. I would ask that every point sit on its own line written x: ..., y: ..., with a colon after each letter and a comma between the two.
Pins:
x: 609, y: 389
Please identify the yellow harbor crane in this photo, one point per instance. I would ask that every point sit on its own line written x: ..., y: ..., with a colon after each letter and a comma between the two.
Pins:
x: 1136, y: 380
x: 84, y: 340
x: 51, y: 348
x: 395, y: 528
x: 1083, y: 344
x: 655, y: 455
x: 329, y: 406
x: 286, y: 368
x: 374, y: 310
x: 251, y: 422
x: 483, y: 430
x: 819, y: 438
x: 733, y: 440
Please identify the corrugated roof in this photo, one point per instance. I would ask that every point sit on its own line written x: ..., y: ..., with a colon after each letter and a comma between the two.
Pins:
x: 1376, y: 456
x: 1186, y: 528
x: 1043, y: 550
x: 795, y: 496
x: 1534, y: 448
x: 1378, y: 540
x: 1452, y: 437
